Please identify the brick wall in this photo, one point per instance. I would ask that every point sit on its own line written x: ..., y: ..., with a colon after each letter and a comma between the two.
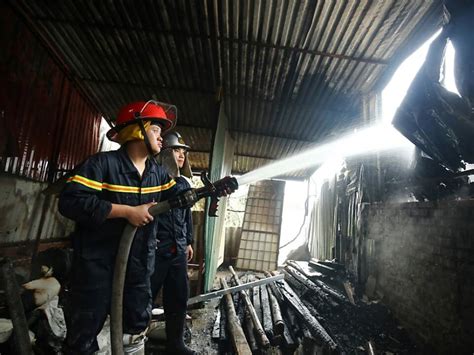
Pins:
x: 423, y: 262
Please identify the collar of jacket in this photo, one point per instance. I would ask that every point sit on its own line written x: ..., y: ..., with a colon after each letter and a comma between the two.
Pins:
x: 127, y: 167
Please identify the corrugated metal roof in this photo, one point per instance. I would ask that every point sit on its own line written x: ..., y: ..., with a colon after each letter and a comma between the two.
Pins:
x: 46, y: 125
x: 294, y: 70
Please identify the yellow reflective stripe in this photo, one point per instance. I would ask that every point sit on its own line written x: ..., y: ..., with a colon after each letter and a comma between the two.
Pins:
x: 86, y: 182
x: 148, y: 190
x: 119, y: 188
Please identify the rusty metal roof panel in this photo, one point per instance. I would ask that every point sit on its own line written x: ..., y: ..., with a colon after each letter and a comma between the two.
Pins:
x: 199, y: 161
x: 199, y: 139
x: 48, y: 126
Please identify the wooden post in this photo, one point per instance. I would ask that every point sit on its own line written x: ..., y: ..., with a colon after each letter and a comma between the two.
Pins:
x: 257, y: 304
x: 304, y: 314
x: 275, y: 290
x: 256, y: 322
x: 317, y: 286
x: 278, y: 324
x: 241, y: 346
x: 249, y: 329
x: 266, y: 312
x: 216, y: 328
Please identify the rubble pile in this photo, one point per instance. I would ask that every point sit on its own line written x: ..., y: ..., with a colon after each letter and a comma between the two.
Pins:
x: 314, y: 310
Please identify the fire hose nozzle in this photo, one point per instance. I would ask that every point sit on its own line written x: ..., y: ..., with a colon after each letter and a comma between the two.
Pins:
x: 219, y: 188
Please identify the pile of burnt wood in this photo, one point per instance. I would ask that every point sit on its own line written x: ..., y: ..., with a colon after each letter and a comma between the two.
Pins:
x: 312, y: 311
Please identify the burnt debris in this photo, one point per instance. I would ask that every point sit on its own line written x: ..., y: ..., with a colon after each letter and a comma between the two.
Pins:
x: 314, y: 310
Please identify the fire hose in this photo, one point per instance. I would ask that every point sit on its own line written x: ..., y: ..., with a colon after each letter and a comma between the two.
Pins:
x: 186, y: 199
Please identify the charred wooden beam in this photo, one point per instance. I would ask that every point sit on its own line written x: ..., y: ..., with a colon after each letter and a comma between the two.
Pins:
x: 257, y: 303
x: 289, y: 342
x: 312, y: 309
x: 249, y: 330
x: 276, y: 292
x: 238, y: 337
x: 223, y: 322
x: 216, y: 328
x: 293, y: 321
x: 300, y: 287
x: 290, y: 338
x: 332, y: 265
x: 266, y: 312
x: 309, y: 274
x: 317, y: 286
x: 260, y: 333
x: 322, y: 268
x: 317, y: 330
x: 274, y: 351
x: 239, y: 307
x: 278, y: 324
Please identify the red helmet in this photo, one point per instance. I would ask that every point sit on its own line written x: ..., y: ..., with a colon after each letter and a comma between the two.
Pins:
x: 162, y: 113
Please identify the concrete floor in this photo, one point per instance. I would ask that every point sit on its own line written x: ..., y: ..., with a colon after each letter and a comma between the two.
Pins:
x: 200, y: 327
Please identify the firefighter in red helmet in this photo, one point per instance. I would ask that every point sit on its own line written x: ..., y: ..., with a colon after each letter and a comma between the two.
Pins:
x: 109, y: 190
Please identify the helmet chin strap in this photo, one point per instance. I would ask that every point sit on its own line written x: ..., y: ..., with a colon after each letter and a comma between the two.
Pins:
x: 145, y: 136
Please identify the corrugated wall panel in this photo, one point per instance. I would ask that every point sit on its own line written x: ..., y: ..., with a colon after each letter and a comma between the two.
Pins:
x: 47, y: 124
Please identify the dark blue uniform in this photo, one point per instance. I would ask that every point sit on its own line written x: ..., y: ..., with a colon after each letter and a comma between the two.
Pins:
x: 171, y: 270
x: 175, y: 227
x: 175, y: 233
x: 103, y: 179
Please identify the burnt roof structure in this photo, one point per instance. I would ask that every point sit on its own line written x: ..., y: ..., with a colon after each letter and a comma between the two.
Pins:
x: 289, y: 73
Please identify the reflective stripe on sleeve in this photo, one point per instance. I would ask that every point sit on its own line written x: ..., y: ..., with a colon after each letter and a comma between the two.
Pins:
x: 96, y: 185
x: 99, y: 186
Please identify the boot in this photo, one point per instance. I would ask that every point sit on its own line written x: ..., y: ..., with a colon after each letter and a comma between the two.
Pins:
x: 174, y: 335
x: 134, y: 344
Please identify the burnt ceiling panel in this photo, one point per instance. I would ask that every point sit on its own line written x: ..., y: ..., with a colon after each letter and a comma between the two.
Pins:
x: 291, y: 70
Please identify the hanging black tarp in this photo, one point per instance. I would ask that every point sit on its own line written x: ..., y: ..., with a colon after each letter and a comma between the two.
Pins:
x: 436, y: 120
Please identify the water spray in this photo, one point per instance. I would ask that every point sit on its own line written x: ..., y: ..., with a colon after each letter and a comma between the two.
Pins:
x: 375, y: 138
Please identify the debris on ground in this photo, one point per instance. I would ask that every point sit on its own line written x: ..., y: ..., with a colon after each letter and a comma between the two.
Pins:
x: 314, y: 310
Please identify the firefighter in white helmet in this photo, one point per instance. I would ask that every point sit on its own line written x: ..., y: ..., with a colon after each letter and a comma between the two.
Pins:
x: 174, y: 247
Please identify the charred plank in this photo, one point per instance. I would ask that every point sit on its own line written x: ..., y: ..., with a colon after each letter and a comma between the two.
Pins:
x: 317, y: 330
x: 266, y: 312
x: 237, y: 334
x: 317, y: 286
x: 278, y: 324
x: 260, y: 333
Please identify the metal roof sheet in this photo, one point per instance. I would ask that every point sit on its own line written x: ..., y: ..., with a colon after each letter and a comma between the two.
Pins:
x: 292, y: 70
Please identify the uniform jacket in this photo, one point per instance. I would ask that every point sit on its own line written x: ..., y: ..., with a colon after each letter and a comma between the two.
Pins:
x: 175, y: 228
x: 106, y: 178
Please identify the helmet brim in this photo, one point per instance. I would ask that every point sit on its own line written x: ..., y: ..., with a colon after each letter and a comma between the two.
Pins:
x: 165, y: 124
x: 187, y: 147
